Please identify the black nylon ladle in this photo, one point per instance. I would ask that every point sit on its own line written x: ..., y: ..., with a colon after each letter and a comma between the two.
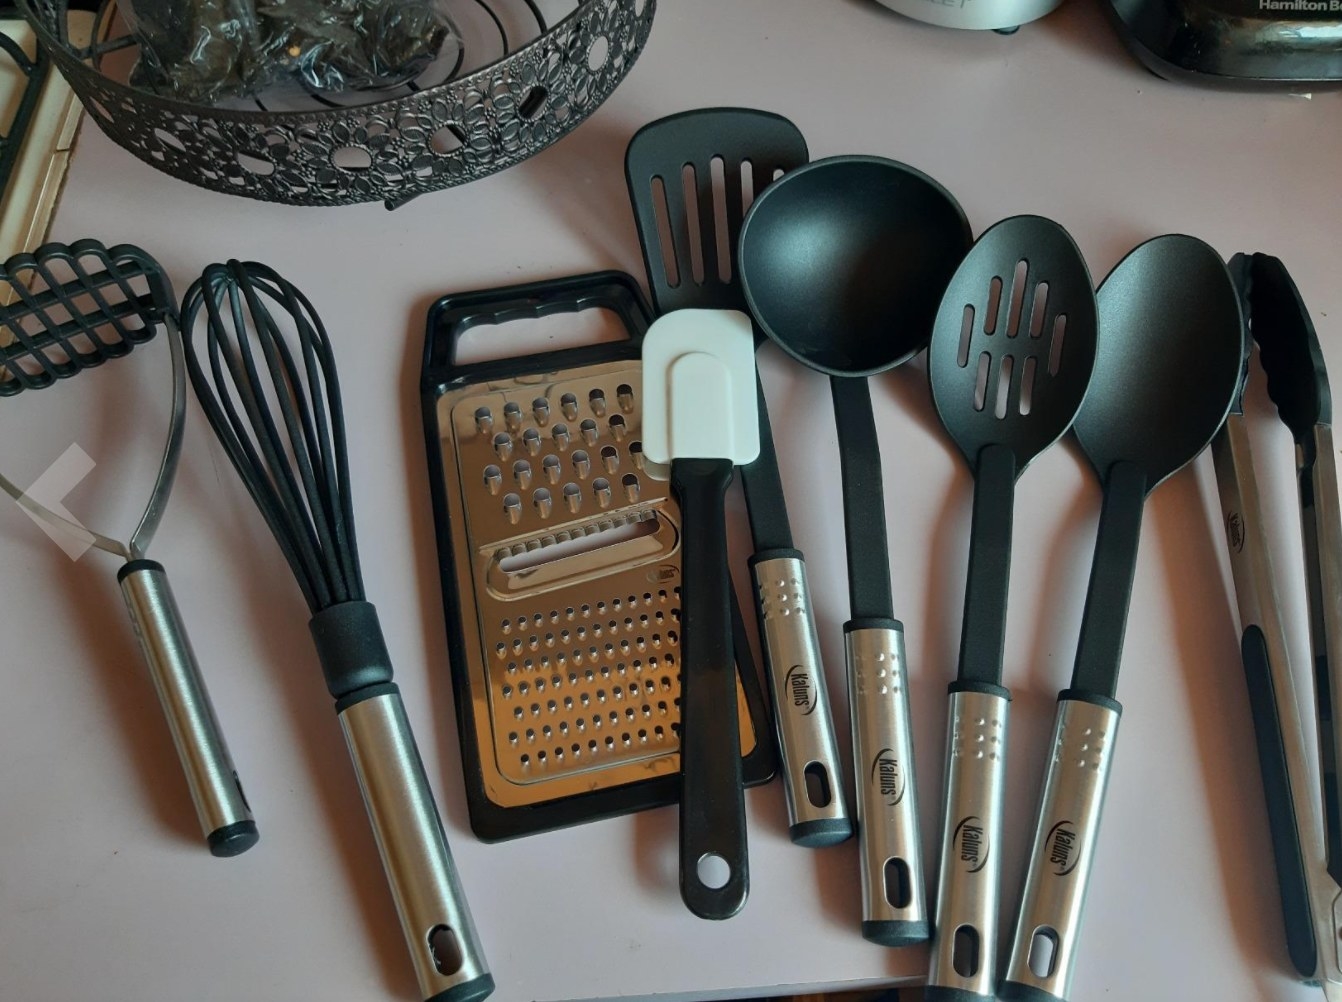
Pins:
x: 843, y: 263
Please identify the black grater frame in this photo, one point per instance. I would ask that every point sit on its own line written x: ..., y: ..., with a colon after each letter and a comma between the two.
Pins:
x: 447, y: 319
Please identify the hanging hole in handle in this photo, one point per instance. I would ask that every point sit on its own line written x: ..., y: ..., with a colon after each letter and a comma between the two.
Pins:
x: 898, y: 886
x: 817, y: 785
x: 965, y: 951
x: 713, y: 871
x: 1043, y: 959
x: 445, y: 950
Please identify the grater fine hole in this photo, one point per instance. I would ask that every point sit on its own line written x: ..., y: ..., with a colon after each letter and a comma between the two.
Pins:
x: 597, y: 401
x: 588, y: 431
x: 560, y: 435
x: 531, y: 440
x: 568, y: 403
x: 625, y: 394
x: 618, y: 428
x: 484, y: 420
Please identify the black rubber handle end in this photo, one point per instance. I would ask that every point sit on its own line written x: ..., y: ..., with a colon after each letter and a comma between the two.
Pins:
x: 131, y: 566
x: 821, y: 832
x: 350, y: 647
x: 234, y: 839
x: 468, y: 991
x: 1015, y: 991
x: 896, y: 933
x: 940, y: 993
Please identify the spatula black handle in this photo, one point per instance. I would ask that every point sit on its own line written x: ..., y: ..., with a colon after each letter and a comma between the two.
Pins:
x: 712, y: 806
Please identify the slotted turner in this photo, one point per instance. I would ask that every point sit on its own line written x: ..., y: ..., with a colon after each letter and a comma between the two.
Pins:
x: 1009, y: 362
x: 701, y: 419
x: 691, y: 178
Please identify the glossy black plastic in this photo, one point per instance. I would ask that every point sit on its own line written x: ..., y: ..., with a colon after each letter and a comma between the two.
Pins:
x: 712, y: 813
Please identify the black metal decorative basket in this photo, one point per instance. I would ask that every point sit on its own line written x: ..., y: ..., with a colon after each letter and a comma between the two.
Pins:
x: 519, y: 79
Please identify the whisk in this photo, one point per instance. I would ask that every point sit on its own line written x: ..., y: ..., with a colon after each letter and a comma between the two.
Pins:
x: 265, y: 376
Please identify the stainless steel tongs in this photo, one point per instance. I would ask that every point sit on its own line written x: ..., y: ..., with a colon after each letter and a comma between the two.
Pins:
x: 1306, y: 830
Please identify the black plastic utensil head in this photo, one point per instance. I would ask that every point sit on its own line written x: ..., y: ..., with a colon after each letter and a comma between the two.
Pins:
x: 1014, y: 343
x: 71, y: 307
x: 1288, y: 348
x: 691, y: 178
x: 844, y: 261
x: 1167, y: 365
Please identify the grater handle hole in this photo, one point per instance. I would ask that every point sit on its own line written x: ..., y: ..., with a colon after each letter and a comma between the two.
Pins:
x: 714, y: 871
x: 446, y: 951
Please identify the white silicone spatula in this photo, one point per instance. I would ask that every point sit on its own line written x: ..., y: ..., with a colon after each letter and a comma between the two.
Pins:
x: 701, y: 417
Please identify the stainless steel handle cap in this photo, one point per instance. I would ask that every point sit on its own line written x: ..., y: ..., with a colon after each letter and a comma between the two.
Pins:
x: 964, y: 941
x: 1043, y: 951
x: 812, y: 777
x: 225, y: 818
x: 444, y: 947
x: 894, y: 909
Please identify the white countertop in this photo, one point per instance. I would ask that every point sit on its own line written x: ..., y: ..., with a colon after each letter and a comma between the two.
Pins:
x: 105, y: 890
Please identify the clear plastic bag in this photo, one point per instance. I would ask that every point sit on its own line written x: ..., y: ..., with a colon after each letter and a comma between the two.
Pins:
x: 204, y: 51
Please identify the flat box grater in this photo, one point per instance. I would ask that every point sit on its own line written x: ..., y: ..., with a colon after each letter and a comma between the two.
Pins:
x: 560, y: 565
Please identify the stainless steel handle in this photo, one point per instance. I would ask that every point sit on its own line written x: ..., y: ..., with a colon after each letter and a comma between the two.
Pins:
x: 225, y: 818
x: 435, y: 919
x: 894, y: 909
x: 964, y: 941
x: 812, y: 776
x: 1048, y: 926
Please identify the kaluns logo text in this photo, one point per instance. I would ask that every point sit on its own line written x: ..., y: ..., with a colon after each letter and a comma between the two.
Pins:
x: 888, y: 777
x: 1061, y: 846
x: 971, y: 844
x: 800, y: 691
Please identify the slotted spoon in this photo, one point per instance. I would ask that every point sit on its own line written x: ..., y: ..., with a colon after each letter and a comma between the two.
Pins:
x: 1009, y: 362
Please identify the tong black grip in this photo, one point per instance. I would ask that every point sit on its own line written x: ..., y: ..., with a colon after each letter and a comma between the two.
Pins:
x: 1280, y: 803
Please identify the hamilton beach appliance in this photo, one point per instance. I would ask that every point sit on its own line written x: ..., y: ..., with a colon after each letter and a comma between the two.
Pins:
x: 1241, y: 44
